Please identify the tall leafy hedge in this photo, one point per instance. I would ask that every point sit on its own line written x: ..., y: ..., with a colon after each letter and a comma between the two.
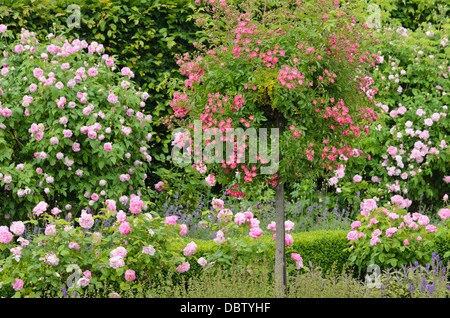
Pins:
x: 410, y: 14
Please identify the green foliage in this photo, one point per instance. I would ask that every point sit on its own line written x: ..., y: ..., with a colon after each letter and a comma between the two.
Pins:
x: 322, y: 248
x: 410, y: 14
x: 442, y: 245
x: 49, y: 263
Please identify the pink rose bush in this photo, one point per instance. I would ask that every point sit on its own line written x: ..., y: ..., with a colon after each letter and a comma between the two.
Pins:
x: 408, y: 146
x: 121, y: 245
x: 274, y: 71
x: 101, y: 246
x: 389, y: 236
x: 73, y: 122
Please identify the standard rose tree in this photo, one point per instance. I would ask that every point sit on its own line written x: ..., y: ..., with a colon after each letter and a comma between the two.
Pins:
x: 72, y: 130
x: 296, y: 77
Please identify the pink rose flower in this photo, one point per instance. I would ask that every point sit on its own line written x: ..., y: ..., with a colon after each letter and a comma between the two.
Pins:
x: 37, y: 72
x: 423, y: 220
x: 225, y: 215
x: 355, y: 225
x: 190, y: 249
x: 40, y: 208
x: 183, y: 267
x: 444, y: 214
x: 50, y: 230
x: 111, y: 205
x: 239, y: 218
x: 17, y: 227
x: 352, y: 235
x: 391, y: 231
x: 255, y: 232
x: 160, y: 186
x: 150, y: 250
x: 84, y: 281
x: 107, y: 146
x: 18, y: 284
x: 118, y: 251
x: 121, y: 216
x: 136, y: 205
x: 219, y: 237
x: 288, y: 226
x: 298, y: 260
x: 130, y: 275
x: 217, y: 204
x: 124, y: 228
x: 375, y: 240
x: 210, y: 180
x: 288, y: 239
x: 184, y: 229
x: 116, y: 262
x: 5, y: 235
x: 86, y: 221
x: 74, y: 246
x: 171, y: 220
x: 377, y: 232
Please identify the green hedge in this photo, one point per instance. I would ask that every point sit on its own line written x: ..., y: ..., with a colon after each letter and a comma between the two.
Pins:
x: 410, y: 14
x: 321, y: 248
x: 443, y: 246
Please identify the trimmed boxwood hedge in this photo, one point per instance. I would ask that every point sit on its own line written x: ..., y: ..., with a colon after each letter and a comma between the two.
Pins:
x: 321, y: 248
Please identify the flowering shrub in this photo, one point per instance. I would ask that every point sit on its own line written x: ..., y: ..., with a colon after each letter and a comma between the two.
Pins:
x: 412, y: 129
x: 275, y: 75
x: 72, y: 253
x: 71, y: 130
x: 391, y: 237
x: 120, y: 248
